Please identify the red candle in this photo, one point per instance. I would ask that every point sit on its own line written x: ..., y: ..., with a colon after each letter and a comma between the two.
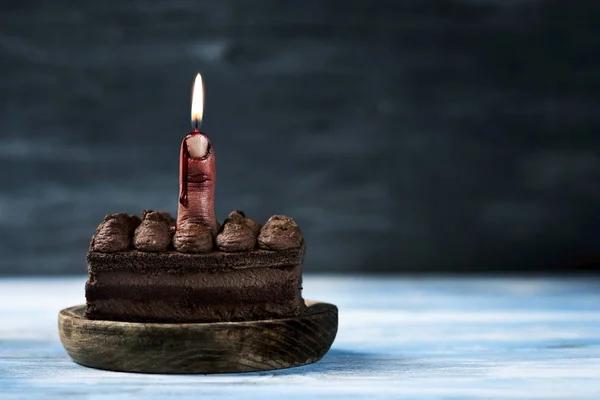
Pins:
x: 197, y: 171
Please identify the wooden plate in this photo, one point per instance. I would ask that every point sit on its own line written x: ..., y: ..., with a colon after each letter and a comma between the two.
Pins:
x: 203, y: 348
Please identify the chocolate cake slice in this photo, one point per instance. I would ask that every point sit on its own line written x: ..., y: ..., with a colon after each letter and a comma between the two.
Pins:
x: 136, y: 274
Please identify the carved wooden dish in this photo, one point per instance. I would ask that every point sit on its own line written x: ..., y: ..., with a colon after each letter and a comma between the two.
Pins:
x: 199, y: 348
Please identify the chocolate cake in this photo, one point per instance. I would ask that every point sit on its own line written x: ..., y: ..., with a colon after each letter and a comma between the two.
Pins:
x: 191, y: 295
x: 145, y: 270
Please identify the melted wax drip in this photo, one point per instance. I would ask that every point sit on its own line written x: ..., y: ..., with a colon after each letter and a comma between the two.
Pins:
x: 185, y: 157
x: 183, y: 197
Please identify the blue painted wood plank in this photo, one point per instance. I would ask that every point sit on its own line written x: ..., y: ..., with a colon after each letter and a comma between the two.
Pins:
x: 431, y: 338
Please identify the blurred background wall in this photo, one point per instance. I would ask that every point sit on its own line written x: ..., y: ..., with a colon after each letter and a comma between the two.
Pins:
x: 404, y: 136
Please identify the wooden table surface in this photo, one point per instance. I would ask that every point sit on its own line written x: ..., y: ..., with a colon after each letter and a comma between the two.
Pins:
x: 418, y: 338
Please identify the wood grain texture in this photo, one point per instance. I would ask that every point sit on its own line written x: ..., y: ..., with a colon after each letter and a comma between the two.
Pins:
x: 199, y: 348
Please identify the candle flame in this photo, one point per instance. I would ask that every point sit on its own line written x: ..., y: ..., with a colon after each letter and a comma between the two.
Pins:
x: 197, y: 101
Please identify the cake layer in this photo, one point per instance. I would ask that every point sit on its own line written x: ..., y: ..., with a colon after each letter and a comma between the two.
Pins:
x: 138, y: 260
x: 177, y: 287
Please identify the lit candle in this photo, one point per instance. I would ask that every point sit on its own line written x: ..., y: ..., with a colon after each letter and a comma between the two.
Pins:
x: 197, y: 171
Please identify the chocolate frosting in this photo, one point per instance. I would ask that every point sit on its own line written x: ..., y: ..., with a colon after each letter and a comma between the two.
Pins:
x: 254, y: 225
x: 280, y: 233
x: 166, y: 215
x: 236, y: 234
x: 154, y: 232
x: 114, y: 233
x: 193, y: 238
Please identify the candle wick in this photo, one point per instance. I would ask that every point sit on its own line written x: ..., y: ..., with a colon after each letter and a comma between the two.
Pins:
x: 196, y: 123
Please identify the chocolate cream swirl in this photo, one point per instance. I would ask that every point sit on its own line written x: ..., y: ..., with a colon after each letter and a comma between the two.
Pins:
x: 191, y: 237
x: 114, y: 233
x: 154, y: 233
x: 280, y: 233
x: 237, y: 233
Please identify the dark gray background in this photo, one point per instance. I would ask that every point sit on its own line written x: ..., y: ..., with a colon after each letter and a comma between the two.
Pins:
x: 401, y: 135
